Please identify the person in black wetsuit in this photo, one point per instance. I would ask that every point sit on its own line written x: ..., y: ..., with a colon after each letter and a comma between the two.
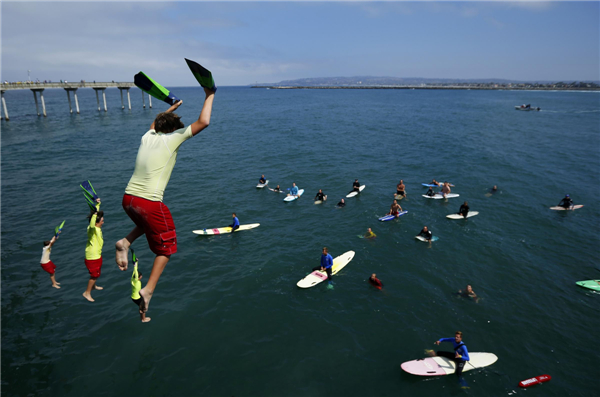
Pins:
x: 320, y: 196
x: 277, y: 189
x: 355, y: 186
x: 341, y: 204
x: 464, y: 209
x: 566, y: 202
x: 430, y: 192
x: 426, y: 233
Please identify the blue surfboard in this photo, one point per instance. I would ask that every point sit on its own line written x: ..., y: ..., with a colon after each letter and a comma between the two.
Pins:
x: 390, y: 217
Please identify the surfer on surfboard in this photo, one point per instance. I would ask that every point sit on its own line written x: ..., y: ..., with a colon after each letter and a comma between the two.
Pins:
x: 326, y: 264
x: 566, y: 202
x: 464, y: 209
x: 320, y: 196
x: 430, y: 192
x: 370, y: 234
x: 400, y: 189
x: 395, y: 209
x: 341, y: 204
x: 236, y: 223
x: 426, y: 233
x: 262, y: 179
x: 375, y: 282
x: 293, y: 190
x: 460, y: 354
x: 446, y: 189
x: 355, y: 187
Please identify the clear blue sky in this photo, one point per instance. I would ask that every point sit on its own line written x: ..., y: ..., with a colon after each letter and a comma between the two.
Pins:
x: 266, y: 42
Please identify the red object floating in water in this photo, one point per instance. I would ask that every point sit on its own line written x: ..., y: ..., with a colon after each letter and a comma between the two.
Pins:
x: 535, y: 381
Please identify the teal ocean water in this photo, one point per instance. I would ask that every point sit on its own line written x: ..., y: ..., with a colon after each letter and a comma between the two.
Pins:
x: 227, y: 317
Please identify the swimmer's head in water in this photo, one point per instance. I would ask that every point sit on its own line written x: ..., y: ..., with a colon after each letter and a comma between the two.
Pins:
x: 167, y: 122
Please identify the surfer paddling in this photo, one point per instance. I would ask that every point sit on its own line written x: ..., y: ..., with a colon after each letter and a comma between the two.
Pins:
x: 370, y: 234
x: 460, y: 355
x: 143, y: 199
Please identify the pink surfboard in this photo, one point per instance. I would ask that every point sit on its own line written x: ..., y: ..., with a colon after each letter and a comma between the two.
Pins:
x: 437, y: 366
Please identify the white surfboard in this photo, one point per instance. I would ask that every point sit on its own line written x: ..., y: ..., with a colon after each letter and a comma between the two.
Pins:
x: 352, y: 194
x: 459, y: 216
x: 438, y: 366
x: 574, y: 207
x: 439, y: 196
x: 292, y: 198
x: 225, y: 230
x: 421, y: 238
x: 318, y: 276
x: 261, y: 185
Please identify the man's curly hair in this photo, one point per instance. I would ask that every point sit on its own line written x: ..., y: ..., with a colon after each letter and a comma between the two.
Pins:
x: 167, y: 122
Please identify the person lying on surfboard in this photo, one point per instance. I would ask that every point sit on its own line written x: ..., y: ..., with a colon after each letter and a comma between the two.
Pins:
x: 375, y: 281
x: 460, y: 354
x: 341, y: 204
x: 143, y: 198
x: 326, y: 263
x: 355, y: 186
x: 446, y: 189
x: 236, y: 223
x: 430, y: 192
x: 426, y: 233
x: 395, y: 209
x: 262, y: 180
x: 320, y: 196
x: 464, y: 209
x: 400, y: 189
x: 293, y: 190
x: 436, y: 183
x: 370, y: 234
x: 469, y: 293
x: 566, y: 202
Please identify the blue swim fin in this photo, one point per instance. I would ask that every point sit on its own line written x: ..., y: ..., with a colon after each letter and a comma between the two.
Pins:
x: 89, y: 193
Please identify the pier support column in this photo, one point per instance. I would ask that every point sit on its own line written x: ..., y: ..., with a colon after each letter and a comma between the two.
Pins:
x: 103, y: 97
x: 69, y: 97
x: 128, y: 99
x: 37, y: 107
x: 43, y: 103
x: 143, y: 100
x: 76, y: 102
x: 4, y: 107
x: 41, y: 91
x: 97, y: 100
x: 121, y: 91
x: 150, y: 101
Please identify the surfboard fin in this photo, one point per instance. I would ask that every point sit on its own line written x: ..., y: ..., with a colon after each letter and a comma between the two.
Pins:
x: 151, y: 87
x: 203, y: 75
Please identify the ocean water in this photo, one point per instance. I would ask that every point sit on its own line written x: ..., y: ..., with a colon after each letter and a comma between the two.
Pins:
x: 227, y: 317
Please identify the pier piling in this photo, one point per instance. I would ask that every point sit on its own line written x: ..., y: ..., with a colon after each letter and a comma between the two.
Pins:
x: 69, y: 98
x: 4, y: 107
x: 41, y: 91
x: 143, y: 100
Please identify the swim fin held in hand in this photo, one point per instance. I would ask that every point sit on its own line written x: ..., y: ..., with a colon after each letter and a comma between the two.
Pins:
x: 203, y: 75
x: 89, y: 193
x: 151, y: 87
x: 58, y: 229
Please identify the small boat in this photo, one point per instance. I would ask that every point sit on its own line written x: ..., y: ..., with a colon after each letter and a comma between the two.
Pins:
x: 526, y: 108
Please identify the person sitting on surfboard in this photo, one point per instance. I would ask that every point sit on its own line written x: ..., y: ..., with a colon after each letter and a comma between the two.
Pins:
x: 370, y: 234
x: 293, y: 190
x: 355, y: 186
x: 341, y: 203
x: 426, y: 233
x: 236, y: 223
x: 460, y: 354
x: 430, y: 192
x: 143, y: 198
x: 375, y: 281
x: 469, y: 293
x: 566, y: 202
x: 326, y: 263
x: 446, y: 189
x: 262, y: 180
x: 320, y: 196
x: 400, y: 189
x: 464, y: 209
x: 395, y: 209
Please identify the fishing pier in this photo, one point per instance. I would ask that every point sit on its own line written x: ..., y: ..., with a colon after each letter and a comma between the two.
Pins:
x: 38, y: 88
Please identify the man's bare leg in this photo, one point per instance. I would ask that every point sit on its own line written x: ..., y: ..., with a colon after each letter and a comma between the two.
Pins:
x: 88, y: 292
x: 122, y: 247
x: 160, y: 262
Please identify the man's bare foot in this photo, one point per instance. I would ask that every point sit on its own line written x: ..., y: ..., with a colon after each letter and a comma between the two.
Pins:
x: 57, y: 283
x: 146, y: 296
x: 98, y: 288
x: 122, y: 247
x: 56, y: 286
x: 146, y: 319
x: 88, y: 297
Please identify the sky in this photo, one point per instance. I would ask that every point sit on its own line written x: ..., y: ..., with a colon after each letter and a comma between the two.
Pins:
x: 266, y: 42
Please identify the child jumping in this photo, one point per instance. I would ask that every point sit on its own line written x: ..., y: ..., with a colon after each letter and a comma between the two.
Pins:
x: 93, y: 249
x: 136, y: 286
x: 47, y: 264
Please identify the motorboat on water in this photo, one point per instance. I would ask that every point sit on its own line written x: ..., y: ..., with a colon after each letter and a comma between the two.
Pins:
x: 526, y: 108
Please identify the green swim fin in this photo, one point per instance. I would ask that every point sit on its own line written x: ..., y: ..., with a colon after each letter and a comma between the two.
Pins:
x: 203, y: 75
x: 151, y: 87
x: 57, y: 229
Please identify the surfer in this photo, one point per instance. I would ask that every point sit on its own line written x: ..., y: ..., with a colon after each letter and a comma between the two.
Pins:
x: 464, y: 209
x: 400, y: 189
x: 320, y: 196
x: 277, y: 189
x: 370, y: 234
x: 355, y: 186
x: 236, y: 223
x: 46, y: 263
x: 136, y: 286
x: 445, y: 189
x: 375, y: 281
x: 262, y: 180
x: 494, y: 189
x: 93, y: 249
x: 293, y: 190
x: 341, y: 204
x: 566, y: 202
x: 469, y: 293
x: 395, y: 209
x: 326, y: 263
x: 430, y: 192
x: 143, y: 198
x: 426, y: 233
x: 460, y: 355
x: 434, y: 182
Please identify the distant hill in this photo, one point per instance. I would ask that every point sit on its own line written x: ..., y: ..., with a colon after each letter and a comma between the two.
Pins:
x: 373, y: 81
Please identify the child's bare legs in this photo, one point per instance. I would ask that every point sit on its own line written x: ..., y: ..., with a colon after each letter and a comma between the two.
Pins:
x: 54, y: 283
x: 143, y: 317
x: 160, y: 262
x: 88, y: 292
x: 122, y: 247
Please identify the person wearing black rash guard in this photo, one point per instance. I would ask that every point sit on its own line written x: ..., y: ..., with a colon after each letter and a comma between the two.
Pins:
x: 355, y: 186
x: 460, y: 354
x: 277, y: 189
x: 566, y: 202
x: 341, y: 204
x: 464, y: 209
x: 426, y: 233
x: 430, y: 192
x: 320, y: 196
x: 236, y: 223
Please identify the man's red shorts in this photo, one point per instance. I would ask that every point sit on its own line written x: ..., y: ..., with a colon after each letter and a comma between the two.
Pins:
x: 155, y: 219
x: 49, y: 267
x: 94, y: 266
